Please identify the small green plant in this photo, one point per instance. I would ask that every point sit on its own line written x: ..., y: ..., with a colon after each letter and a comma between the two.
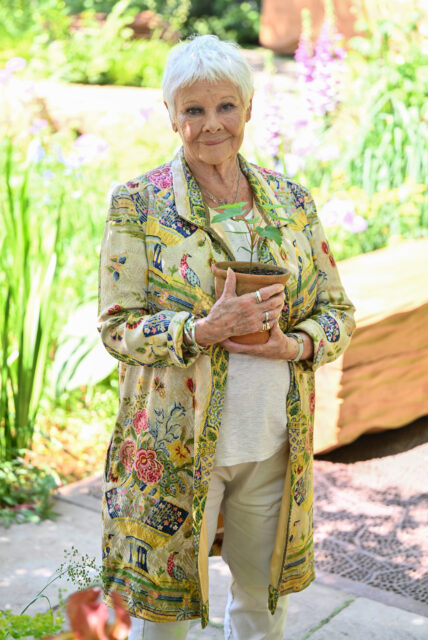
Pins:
x: 25, y: 492
x: 236, y: 212
x: 26, y: 626
x: 29, y: 253
x: 82, y: 571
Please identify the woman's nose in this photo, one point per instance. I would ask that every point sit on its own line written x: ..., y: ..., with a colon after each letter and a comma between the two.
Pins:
x: 212, y: 122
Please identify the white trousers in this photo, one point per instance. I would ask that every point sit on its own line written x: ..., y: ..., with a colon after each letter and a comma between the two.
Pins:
x: 249, y: 497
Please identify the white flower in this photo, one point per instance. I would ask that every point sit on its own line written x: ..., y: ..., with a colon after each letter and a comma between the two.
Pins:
x: 293, y: 164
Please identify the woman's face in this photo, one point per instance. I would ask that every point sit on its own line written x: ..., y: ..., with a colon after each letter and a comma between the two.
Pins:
x: 210, y: 118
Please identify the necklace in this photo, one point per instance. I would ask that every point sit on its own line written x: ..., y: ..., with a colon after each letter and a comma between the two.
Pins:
x: 219, y: 202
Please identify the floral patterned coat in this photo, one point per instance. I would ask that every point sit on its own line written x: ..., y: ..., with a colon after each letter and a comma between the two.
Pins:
x: 154, y: 272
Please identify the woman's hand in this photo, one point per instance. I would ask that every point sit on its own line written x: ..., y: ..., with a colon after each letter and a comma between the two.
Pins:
x: 278, y: 347
x: 234, y: 315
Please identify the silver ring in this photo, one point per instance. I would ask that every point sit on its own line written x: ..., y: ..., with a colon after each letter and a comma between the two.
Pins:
x: 266, y: 326
x: 266, y: 316
x: 258, y: 296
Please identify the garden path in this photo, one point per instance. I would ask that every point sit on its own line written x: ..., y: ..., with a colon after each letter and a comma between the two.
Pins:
x: 31, y: 553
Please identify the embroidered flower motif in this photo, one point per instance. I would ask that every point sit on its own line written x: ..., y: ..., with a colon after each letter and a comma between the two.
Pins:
x: 283, y: 254
x: 159, y: 386
x: 147, y: 466
x: 134, y: 319
x: 332, y: 261
x: 331, y: 328
x: 161, y: 178
x: 324, y: 247
x: 127, y: 454
x: 191, y: 385
x: 163, y: 297
x: 114, y: 309
x: 312, y: 402
x: 140, y: 421
x: 180, y: 452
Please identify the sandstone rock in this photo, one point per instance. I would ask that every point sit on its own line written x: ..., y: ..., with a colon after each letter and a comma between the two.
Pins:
x: 381, y: 381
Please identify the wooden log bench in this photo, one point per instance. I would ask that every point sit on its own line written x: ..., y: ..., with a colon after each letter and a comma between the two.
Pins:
x: 381, y: 381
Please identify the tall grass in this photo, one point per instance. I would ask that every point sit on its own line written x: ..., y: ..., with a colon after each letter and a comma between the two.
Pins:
x: 29, y: 252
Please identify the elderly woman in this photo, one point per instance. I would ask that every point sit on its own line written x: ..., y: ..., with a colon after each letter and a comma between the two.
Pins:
x: 207, y: 425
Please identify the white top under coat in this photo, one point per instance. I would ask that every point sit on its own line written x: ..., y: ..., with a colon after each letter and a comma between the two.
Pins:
x: 254, y: 421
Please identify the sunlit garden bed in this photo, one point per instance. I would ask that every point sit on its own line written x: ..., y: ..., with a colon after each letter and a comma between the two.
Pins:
x: 354, y: 132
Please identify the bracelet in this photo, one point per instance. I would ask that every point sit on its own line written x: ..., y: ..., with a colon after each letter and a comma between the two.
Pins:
x: 301, y: 344
x: 189, y: 332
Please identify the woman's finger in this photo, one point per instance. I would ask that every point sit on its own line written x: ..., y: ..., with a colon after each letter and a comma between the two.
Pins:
x: 229, y: 285
x: 271, y: 290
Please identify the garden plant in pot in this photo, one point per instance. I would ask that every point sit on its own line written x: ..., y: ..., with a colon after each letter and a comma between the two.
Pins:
x: 250, y: 275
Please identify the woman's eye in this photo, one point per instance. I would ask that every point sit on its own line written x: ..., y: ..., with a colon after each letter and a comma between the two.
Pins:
x: 228, y: 106
x: 193, y: 111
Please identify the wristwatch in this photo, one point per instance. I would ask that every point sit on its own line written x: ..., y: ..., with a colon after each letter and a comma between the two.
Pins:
x: 300, y: 342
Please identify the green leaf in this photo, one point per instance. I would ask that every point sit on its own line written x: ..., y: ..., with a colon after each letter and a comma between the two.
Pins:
x: 270, y: 232
x: 219, y: 217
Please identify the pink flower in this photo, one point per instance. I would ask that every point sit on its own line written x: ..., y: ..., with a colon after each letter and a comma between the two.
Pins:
x: 127, y: 454
x: 147, y: 466
x: 141, y: 421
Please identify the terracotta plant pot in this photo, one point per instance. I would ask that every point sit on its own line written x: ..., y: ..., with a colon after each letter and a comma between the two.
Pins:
x: 262, y: 275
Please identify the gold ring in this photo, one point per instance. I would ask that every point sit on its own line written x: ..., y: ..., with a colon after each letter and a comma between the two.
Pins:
x: 266, y: 326
x: 258, y: 296
x: 266, y: 316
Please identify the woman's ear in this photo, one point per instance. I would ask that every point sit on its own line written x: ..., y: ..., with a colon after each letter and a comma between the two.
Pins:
x: 173, y: 125
x: 249, y: 111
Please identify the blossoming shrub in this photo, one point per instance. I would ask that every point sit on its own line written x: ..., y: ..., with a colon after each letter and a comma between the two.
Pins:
x: 358, y: 134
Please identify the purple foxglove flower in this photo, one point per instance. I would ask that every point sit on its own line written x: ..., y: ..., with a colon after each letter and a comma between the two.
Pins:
x: 16, y: 64
x: 354, y: 224
x: 334, y: 211
x: 48, y: 174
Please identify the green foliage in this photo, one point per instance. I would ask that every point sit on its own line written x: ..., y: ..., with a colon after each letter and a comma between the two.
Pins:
x: 238, y: 21
x: 101, y: 53
x: 25, y: 492
x: 391, y: 137
x: 26, y: 626
x: 29, y: 250
x: 236, y: 211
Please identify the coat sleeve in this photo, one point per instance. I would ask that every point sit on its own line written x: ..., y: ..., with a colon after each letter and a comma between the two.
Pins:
x: 128, y: 331
x: 331, y: 322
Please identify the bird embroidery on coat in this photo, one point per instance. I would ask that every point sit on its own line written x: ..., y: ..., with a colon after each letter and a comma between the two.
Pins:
x: 187, y: 272
x: 173, y: 570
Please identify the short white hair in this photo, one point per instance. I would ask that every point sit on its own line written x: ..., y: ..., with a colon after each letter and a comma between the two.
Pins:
x: 206, y: 58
